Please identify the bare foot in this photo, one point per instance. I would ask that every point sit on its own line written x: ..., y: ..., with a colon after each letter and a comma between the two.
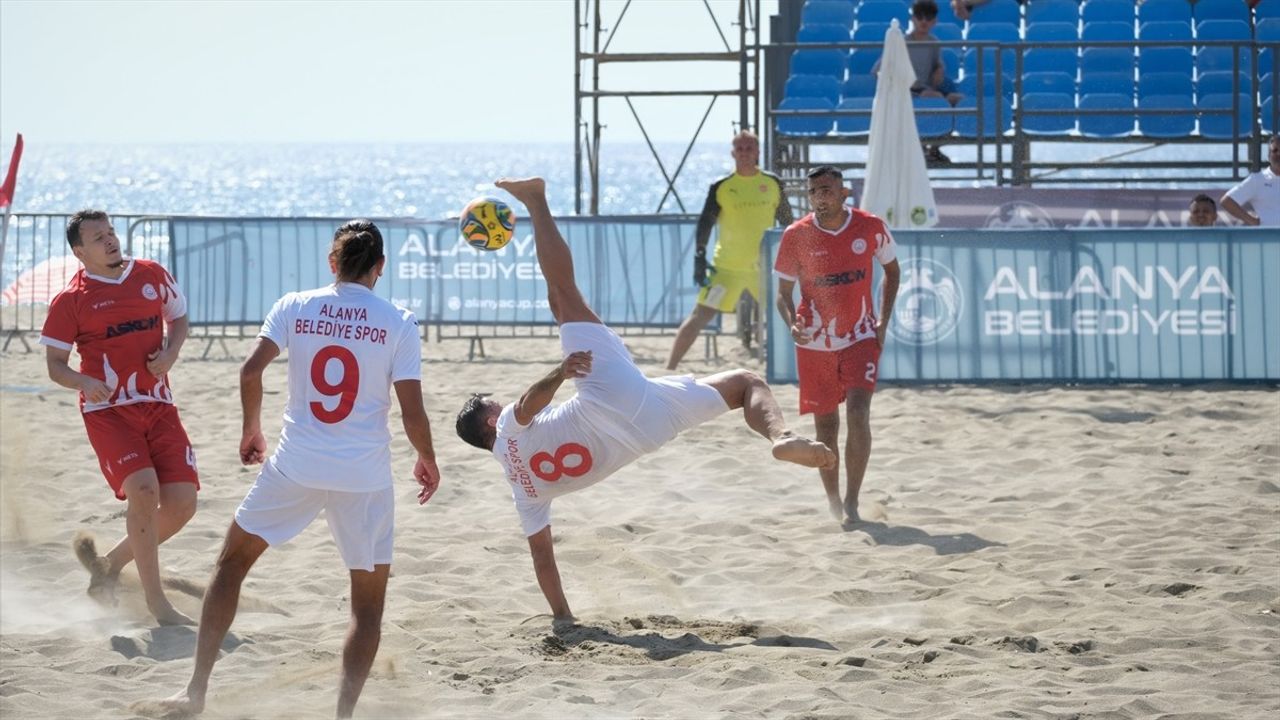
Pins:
x: 525, y: 190
x: 836, y: 508
x: 169, y: 615
x: 102, y: 582
x: 851, y: 514
x: 803, y: 451
x: 181, y: 705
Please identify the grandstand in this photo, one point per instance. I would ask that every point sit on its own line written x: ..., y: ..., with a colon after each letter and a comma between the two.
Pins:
x: 1151, y: 74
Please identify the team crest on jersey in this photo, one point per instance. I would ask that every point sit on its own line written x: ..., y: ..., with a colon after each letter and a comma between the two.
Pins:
x: 929, y: 302
x: 859, y: 246
x: 149, y: 292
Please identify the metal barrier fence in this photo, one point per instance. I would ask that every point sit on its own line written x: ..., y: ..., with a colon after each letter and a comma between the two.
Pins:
x: 1169, y: 305
x: 632, y: 270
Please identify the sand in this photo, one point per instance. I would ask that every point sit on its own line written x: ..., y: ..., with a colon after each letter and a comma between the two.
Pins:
x: 1041, y: 553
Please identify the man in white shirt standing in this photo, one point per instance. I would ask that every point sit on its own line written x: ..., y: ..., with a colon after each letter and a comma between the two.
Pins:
x: 616, y: 416
x: 348, y: 348
x: 1260, y: 191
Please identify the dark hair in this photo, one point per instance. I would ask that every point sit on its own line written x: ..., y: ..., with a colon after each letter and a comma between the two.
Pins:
x: 823, y: 171
x: 924, y: 9
x: 357, y: 247
x: 1203, y: 198
x: 73, y: 225
x: 471, y: 425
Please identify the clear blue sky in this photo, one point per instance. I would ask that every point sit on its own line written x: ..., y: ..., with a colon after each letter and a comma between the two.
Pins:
x: 365, y: 71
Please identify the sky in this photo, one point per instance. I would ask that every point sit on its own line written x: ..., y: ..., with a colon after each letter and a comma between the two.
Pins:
x: 338, y: 71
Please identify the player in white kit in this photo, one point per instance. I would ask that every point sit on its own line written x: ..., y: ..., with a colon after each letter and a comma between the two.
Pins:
x: 616, y: 416
x: 347, y: 349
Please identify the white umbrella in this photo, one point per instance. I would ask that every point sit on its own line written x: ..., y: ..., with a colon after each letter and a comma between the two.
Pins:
x: 38, y: 285
x: 897, y: 185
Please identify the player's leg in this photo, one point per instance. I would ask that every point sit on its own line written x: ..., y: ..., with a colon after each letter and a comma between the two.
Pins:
x: 177, y: 507
x: 826, y: 429
x: 240, y: 551
x: 857, y: 447
x: 820, y: 394
x: 688, y: 332
x: 748, y: 391
x: 554, y: 258
x: 368, y: 594
x: 142, y: 490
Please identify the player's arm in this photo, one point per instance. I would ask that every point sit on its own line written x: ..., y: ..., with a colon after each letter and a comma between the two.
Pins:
x: 544, y: 566
x: 540, y: 394
x: 253, y: 446
x: 787, y: 309
x: 702, y: 234
x: 160, y: 361
x: 892, y: 274
x: 58, y: 362
x: 1237, y: 211
x: 417, y: 427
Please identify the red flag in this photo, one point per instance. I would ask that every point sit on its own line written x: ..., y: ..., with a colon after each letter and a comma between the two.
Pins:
x: 11, y: 179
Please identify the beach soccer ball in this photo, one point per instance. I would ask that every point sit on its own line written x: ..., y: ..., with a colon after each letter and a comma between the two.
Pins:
x: 487, y: 223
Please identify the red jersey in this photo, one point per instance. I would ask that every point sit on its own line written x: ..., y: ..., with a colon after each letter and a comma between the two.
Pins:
x: 833, y: 268
x: 114, y: 323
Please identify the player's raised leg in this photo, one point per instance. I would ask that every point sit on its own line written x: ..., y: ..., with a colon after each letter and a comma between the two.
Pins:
x: 368, y: 595
x: 177, y: 507
x: 554, y: 258
x: 744, y: 389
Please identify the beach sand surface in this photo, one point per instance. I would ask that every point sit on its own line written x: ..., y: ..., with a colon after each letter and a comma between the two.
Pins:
x: 1109, y: 552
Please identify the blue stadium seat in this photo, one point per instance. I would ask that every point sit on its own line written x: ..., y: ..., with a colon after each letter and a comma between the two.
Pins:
x: 967, y: 125
x: 823, y: 86
x: 996, y: 11
x: 1164, y: 11
x: 861, y: 60
x: 932, y: 126
x: 859, y: 86
x: 808, y: 126
x: 1220, y: 127
x: 992, y: 32
x: 1116, y: 83
x: 947, y: 33
x: 1053, y: 11
x: 969, y: 86
x: 1047, y: 59
x: 1093, y: 11
x: 818, y: 62
x: 1265, y: 11
x: 1164, y: 83
x: 1267, y: 86
x: 1165, y: 59
x: 827, y: 12
x: 1268, y: 30
x: 1209, y: 59
x: 1269, y: 123
x: 1049, y: 82
x: 947, y: 16
x: 1220, y: 82
x: 1106, y: 125
x: 827, y: 33
x: 883, y: 12
x: 1107, y: 59
x: 1061, y: 122
x: 853, y: 124
x: 1175, y: 125
x: 1222, y: 10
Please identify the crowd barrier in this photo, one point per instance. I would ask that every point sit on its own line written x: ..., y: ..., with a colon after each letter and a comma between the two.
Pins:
x: 1168, y: 305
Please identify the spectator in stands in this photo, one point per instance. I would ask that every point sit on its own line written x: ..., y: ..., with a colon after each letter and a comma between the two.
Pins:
x: 1260, y: 191
x: 743, y: 204
x: 926, y: 59
x: 1204, y: 212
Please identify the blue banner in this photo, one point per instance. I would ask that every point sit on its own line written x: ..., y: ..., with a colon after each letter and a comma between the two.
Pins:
x: 1181, y: 305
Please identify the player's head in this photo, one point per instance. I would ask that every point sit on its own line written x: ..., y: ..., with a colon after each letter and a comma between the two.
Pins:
x: 826, y: 190
x: 1204, y: 211
x: 357, y: 251
x: 746, y: 148
x: 93, y: 239
x: 924, y: 11
x: 477, y: 421
x: 1273, y: 153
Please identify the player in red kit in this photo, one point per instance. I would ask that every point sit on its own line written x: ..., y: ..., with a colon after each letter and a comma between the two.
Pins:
x: 114, y: 312
x: 837, y: 332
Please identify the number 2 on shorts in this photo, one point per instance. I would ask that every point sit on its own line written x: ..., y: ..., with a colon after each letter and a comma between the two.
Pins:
x: 557, y: 463
x: 345, y: 389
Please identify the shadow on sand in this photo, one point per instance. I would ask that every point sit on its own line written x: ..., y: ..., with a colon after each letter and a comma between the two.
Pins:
x: 899, y: 535
x: 697, y: 637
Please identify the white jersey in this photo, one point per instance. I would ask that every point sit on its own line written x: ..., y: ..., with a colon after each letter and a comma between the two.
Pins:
x: 616, y: 416
x: 346, y: 348
x: 1262, y: 191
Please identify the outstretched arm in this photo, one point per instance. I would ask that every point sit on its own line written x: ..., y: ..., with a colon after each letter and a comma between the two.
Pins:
x: 544, y: 566
x: 540, y: 394
x: 417, y: 427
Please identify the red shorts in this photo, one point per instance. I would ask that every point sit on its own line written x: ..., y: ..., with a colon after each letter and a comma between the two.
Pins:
x: 827, y: 376
x: 140, y: 436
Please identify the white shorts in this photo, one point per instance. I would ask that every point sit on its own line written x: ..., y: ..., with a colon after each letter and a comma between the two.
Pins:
x: 651, y: 411
x: 362, y: 523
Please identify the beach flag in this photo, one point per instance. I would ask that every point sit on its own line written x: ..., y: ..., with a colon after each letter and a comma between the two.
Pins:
x: 11, y: 177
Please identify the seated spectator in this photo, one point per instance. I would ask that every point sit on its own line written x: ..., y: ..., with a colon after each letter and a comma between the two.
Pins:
x: 1204, y: 212
x: 926, y: 60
